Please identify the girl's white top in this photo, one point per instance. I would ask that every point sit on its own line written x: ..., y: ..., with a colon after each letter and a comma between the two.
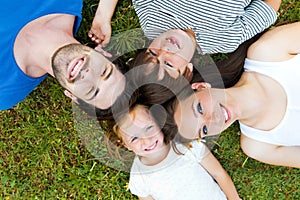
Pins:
x: 177, y: 177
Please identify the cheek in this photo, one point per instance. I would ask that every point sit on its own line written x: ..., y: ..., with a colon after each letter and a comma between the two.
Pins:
x: 179, y: 63
x: 204, y: 97
x: 187, y: 126
x: 187, y: 54
x: 82, y: 87
x: 154, y: 44
x: 191, y: 127
x: 161, y: 136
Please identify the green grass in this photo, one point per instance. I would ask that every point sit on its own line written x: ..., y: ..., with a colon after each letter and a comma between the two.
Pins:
x: 42, y: 155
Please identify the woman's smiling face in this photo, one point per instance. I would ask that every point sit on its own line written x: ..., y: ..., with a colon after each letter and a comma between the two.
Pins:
x: 174, y: 48
x: 203, y: 113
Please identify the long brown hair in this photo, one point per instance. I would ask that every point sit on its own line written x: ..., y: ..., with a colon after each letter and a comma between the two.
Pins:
x: 222, y: 73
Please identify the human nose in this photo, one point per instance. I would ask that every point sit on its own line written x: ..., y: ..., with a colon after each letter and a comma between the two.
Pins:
x: 165, y: 48
x: 147, y: 141
x: 169, y: 47
x: 85, y: 73
x: 163, y: 55
x: 208, y: 116
x: 213, y: 123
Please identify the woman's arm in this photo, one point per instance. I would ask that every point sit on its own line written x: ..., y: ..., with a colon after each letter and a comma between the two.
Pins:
x: 278, y: 44
x: 271, y: 154
x: 215, y: 169
x: 146, y: 198
x: 275, y: 4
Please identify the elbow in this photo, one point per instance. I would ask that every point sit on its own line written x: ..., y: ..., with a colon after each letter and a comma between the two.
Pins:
x: 275, y: 4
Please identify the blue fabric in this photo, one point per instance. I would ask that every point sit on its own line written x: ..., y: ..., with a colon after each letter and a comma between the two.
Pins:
x: 14, y: 15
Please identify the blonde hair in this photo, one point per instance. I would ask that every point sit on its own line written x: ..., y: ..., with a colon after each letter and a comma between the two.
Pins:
x: 131, y: 115
x: 114, y: 133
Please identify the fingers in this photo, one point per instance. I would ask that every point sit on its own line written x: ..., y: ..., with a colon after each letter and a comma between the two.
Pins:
x: 194, y: 86
x: 105, y: 41
x: 100, y: 33
x: 200, y: 85
x: 97, y: 38
x: 103, y: 52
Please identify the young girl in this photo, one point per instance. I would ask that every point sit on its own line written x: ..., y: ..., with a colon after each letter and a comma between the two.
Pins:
x: 167, y: 170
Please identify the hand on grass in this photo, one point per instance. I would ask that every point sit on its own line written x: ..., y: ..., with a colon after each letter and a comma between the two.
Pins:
x: 100, y: 31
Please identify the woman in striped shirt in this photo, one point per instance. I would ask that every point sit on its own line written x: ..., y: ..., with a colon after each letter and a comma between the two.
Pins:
x: 219, y: 26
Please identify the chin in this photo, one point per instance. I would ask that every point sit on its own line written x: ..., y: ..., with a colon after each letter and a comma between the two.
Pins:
x: 192, y: 35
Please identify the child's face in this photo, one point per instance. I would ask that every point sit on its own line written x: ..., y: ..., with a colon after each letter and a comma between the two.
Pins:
x: 140, y: 133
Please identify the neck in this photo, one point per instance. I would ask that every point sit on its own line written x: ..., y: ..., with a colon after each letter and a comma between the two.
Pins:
x: 43, y: 37
x: 253, y: 96
x: 247, y: 96
x: 157, y: 157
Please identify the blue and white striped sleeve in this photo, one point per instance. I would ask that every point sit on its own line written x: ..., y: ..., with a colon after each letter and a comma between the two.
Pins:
x: 257, y: 17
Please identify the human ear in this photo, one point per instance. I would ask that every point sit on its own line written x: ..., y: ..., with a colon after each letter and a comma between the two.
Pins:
x: 127, y: 147
x: 70, y: 95
x: 190, y: 66
x: 188, y: 72
x: 122, y: 144
x: 200, y: 85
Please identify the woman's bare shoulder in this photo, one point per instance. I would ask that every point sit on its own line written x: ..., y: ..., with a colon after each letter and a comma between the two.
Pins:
x: 277, y: 44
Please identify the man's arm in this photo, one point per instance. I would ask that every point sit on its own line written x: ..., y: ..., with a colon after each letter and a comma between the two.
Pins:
x: 100, y: 31
x: 215, y: 169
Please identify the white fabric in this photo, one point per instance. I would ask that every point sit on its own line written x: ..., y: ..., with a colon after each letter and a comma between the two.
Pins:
x: 178, y: 177
x: 220, y: 25
x: 286, y: 73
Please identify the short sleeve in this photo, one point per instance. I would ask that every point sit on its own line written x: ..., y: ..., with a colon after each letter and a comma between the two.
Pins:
x: 198, y: 150
x: 137, y: 185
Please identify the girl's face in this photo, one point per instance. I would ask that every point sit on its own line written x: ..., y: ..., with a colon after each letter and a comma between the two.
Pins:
x: 140, y: 133
x: 204, y: 113
x: 174, y: 48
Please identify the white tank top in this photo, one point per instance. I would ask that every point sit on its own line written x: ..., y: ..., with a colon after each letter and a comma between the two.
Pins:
x: 287, y: 73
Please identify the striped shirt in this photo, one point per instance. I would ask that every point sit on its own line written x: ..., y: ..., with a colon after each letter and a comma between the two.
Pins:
x: 220, y: 26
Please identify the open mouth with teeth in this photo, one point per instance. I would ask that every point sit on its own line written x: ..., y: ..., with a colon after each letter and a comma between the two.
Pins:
x: 173, y: 41
x: 152, y: 147
x: 226, y: 113
x: 75, y: 67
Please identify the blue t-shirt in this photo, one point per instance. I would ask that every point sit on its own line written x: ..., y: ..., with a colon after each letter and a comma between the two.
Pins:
x: 15, y: 85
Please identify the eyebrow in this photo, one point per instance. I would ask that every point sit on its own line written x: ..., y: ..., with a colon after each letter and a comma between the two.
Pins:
x: 193, y: 109
x: 151, y: 57
x: 92, y: 88
x: 95, y: 94
x: 110, y: 73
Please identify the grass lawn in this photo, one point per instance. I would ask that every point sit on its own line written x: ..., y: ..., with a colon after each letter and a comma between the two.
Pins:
x: 42, y: 156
